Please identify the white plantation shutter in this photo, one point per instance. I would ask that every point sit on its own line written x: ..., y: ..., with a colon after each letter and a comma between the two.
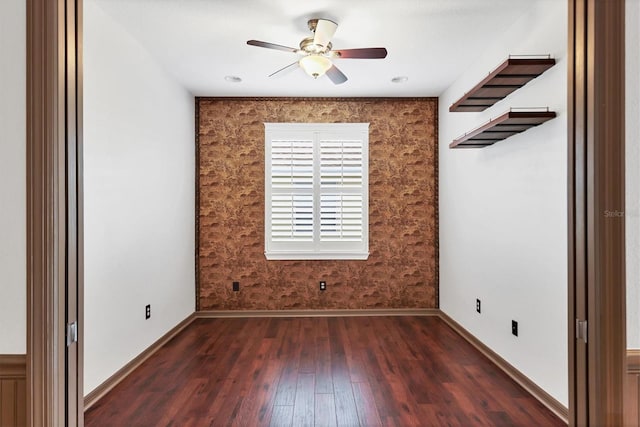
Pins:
x: 341, y: 163
x: 292, y: 217
x: 341, y: 217
x: 292, y: 164
x: 316, y: 191
x: 292, y: 190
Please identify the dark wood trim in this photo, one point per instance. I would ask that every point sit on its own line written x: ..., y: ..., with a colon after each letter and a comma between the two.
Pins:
x: 45, y: 212
x: 317, y: 313
x: 99, y: 392
x: 576, y: 205
x: 436, y: 166
x: 13, y: 366
x: 77, y: 397
x: 633, y: 361
x: 13, y: 390
x: 542, y: 396
x: 596, y: 190
x: 307, y: 98
x: 52, y: 208
x: 71, y: 292
x: 606, y: 193
x: 197, y: 201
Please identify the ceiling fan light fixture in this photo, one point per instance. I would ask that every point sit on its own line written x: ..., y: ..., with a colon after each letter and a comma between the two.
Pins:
x: 315, y: 65
x: 317, y: 50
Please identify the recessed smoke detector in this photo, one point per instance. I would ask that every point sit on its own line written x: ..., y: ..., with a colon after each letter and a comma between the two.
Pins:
x: 400, y: 79
x: 233, y: 79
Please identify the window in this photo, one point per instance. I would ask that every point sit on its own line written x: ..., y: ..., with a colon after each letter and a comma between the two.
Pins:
x: 316, y: 190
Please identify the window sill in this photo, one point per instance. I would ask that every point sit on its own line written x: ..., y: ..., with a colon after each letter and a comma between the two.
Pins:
x: 290, y: 256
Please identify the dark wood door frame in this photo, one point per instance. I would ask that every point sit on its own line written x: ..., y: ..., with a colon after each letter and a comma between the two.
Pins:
x: 596, y: 208
x: 54, y: 214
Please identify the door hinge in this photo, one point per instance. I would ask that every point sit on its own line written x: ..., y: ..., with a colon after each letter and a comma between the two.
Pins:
x: 72, y: 333
x: 581, y: 330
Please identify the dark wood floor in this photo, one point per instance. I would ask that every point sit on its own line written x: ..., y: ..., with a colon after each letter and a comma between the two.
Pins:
x: 349, y: 371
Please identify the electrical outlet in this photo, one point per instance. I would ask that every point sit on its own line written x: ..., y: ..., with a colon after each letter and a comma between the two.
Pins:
x: 478, y: 305
x: 514, y: 327
x: 236, y: 286
x: 323, y: 285
x: 147, y: 311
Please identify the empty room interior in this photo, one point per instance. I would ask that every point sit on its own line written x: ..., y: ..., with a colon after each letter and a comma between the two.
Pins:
x: 315, y: 213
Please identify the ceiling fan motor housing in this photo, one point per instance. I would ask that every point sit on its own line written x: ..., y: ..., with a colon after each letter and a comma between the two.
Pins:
x: 308, y: 46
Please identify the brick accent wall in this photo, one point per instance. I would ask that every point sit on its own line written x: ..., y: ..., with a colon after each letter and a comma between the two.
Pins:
x: 401, y: 271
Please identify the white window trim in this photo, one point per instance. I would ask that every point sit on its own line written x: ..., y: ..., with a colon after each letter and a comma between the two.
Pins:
x: 305, y: 252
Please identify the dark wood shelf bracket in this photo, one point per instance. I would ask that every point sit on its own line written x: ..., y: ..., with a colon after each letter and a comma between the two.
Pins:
x: 511, y: 75
x: 502, y: 127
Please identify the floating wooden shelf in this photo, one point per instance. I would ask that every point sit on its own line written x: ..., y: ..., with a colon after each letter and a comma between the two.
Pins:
x: 511, y: 75
x: 508, y: 124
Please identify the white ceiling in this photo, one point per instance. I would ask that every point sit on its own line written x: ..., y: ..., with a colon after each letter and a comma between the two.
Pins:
x: 200, y: 42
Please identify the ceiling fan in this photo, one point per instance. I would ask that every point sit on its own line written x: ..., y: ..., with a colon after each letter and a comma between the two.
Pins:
x: 317, y: 52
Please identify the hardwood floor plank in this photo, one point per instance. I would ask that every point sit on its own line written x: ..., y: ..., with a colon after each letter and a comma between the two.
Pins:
x: 226, y: 400
x: 366, y: 405
x: 240, y: 377
x: 282, y: 416
x: 405, y: 404
x: 472, y: 412
x: 303, y: 409
x: 349, y: 332
x: 324, y: 381
x: 346, y: 411
x: 257, y: 405
x: 422, y: 385
x: 289, y: 354
x: 286, y: 391
x: 367, y: 371
x: 383, y: 393
x: 307, y: 364
x: 325, y: 410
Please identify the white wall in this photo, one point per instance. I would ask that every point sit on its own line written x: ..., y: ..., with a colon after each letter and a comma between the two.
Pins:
x: 503, y: 210
x: 13, y: 270
x: 632, y: 171
x: 139, y: 198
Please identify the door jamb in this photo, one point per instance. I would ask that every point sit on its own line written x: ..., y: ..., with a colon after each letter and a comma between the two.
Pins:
x: 596, y: 209
x: 54, y: 209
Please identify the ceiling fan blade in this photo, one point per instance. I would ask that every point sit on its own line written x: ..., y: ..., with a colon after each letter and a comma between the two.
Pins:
x: 287, y: 68
x: 336, y: 76
x: 324, y: 32
x: 364, y: 53
x: 268, y: 45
